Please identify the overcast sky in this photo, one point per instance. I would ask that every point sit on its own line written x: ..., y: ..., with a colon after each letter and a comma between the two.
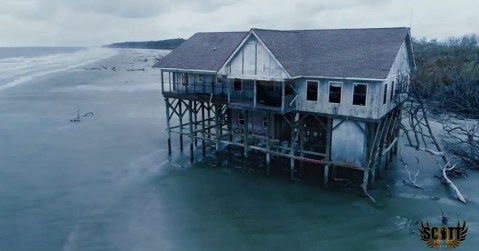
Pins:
x: 97, y: 22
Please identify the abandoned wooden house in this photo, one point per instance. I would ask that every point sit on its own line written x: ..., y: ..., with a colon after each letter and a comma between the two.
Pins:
x: 327, y: 97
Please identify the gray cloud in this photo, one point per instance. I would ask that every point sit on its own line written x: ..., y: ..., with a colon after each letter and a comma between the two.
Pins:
x: 95, y: 22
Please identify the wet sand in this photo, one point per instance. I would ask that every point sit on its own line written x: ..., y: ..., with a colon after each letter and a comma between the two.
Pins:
x: 107, y: 183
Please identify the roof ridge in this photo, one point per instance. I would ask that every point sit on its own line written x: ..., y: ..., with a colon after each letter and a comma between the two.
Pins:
x: 215, y: 32
x: 335, y: 29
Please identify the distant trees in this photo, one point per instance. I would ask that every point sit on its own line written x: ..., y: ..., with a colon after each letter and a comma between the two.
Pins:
x: 448, y: 72
x: 168, y: 44
x: 446, y: 80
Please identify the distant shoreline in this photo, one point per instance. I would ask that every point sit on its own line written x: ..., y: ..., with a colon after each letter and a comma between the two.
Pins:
x: 168, y: 44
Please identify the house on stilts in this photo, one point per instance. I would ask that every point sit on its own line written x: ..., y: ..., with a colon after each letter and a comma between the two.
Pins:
x: 327, y: 97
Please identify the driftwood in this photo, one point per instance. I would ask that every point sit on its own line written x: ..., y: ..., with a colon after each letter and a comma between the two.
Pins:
x: 412, y: 179
x: 78, y: 117
x: 420, y: 128
x: 362, y: 187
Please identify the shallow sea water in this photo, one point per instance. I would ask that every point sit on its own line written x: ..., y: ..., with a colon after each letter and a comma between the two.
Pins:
x: 107, y: 183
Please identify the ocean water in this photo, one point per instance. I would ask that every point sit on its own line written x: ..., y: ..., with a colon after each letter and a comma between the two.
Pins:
x: 21, y: 64
x: 107, y: 183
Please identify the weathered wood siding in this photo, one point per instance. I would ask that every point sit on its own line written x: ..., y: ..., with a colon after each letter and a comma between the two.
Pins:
x: 400, y: 67
x: 253, y: 61
x: 348, y: 142
x: 345, y: 107
x: 255, y: 122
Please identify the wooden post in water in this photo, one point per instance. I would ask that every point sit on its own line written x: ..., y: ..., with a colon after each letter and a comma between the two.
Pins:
x: 292, y: 151
x: 217, y: 111
x: 195, y: 118
x: 167, y: 103
x: 203, y: 142
x: 269, y: 119
x: 329, y: 132
x: 190, y: 111
x: 180, y: 117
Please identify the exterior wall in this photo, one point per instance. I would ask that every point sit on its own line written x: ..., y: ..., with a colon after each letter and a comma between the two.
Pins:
x: 345, y: 107
x: 400, y: 68
x: 255, y: 122
x: 253, y: 61
x: 348, y: 144
x: 246, y: 92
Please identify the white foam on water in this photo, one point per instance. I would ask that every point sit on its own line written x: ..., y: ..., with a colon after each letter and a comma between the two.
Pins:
x: 15, y: 71
x: 119, y: 88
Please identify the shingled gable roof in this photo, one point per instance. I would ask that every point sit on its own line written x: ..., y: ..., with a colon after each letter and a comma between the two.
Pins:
x: 202, y: 51
x: 355, y: 53
x: 344, y: 53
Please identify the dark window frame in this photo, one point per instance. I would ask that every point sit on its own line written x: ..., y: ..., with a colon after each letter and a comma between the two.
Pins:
x: 336, y: 98
x: 310, y: 91
x: 360, y: 99
x: 385, y: 94
x: 237, y: 85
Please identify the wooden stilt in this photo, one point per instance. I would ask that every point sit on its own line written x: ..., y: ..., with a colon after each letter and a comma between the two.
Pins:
x: 180, y: 117
x: 269, y: 118
x: 167, y: 103
x: 301, y: 148
x: 190, y: 111
x: 329, y: 132
x: 209, y: 119
x: 245, y: 139
x: 292, y: 153
x: 246, y: 128
x: 216, y: 109
x: 195, y: 118
x: 203, y: 142
x: 384, y: 137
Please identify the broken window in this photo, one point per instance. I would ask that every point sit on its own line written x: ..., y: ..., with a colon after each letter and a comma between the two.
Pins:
x: 312, y: 90
x: 359, y: 94
x: 385, y: 95
x: 200, y: 77
x: 237, y: 84
x: 335, y: 92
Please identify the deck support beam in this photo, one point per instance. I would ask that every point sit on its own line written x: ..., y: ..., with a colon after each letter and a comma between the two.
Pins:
x: 329, y: 132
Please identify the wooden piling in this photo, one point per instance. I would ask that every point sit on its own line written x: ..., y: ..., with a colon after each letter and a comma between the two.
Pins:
x: 180, y: 117
x: 190, y: 112
x: 203, y: 142
x: 329, y: 132
x: 167, y: 106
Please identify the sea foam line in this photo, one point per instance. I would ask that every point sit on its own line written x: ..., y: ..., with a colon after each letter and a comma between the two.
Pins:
x: 40, y: 72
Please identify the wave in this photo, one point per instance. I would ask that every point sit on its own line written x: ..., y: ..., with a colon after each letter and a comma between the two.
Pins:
x: 18, y: 70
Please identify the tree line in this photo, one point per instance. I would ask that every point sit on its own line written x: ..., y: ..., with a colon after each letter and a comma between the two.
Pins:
x: 448, y: 73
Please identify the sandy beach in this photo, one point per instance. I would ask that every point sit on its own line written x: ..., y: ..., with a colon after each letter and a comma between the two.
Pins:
x: 107, y: 182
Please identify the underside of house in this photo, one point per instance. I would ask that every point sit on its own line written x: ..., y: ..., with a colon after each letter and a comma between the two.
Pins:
x: 324, y: 97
